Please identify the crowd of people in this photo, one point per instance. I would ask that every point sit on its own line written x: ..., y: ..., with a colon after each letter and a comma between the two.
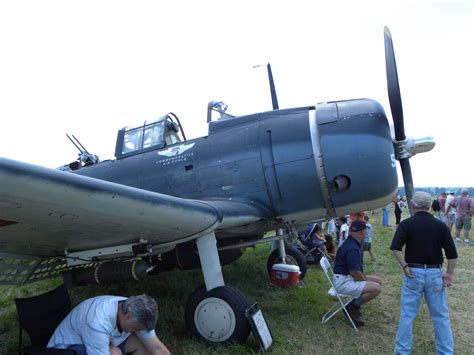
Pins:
x: 398, y: 204
x: 421, y: 243
x: 455, y: 211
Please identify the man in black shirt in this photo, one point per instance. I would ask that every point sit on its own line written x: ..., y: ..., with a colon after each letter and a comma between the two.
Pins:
x: 424, y: 238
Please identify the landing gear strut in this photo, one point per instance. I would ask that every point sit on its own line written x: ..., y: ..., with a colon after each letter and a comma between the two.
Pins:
x: 216, y: 312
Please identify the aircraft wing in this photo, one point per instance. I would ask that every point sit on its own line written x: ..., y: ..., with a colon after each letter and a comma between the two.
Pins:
x: 44, y: 212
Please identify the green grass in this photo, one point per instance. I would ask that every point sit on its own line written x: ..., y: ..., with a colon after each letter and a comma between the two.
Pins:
x: 293, y: 315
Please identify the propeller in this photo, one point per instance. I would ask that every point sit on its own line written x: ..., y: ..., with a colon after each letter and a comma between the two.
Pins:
x: 397, y: 115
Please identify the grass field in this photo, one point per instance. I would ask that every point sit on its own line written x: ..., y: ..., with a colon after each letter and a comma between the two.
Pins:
x: 293, y: 315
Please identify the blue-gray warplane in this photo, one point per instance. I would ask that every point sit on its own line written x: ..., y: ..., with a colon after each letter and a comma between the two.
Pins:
x: 167, y: 202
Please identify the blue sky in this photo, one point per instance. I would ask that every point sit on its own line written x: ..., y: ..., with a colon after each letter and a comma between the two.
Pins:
x: 91, y: 67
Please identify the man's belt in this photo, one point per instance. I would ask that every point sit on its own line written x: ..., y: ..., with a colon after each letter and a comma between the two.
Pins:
x: 425, y: 266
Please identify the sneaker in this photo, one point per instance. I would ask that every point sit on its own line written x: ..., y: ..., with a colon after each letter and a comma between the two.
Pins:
x: 466, y: 241
x: 458, y: 239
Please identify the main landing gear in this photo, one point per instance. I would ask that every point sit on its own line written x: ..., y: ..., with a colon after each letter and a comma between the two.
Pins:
x: 215, y: 313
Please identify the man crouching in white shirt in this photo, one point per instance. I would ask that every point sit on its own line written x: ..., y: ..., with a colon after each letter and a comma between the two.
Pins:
x: 110, y: 325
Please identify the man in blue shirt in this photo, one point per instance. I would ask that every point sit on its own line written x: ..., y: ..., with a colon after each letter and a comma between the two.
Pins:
x: 349, y: 277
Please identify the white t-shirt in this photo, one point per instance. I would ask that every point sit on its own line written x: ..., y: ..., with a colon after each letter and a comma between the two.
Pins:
x: 93, y: 323
x: 368, y: 236
x: 343, y: 233
x: 450, y: 199
x: 331, y: 227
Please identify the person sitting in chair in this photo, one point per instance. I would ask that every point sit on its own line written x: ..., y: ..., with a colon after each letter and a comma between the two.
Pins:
x: 110, y: 324
x: 313, y: 238
x: 349, y: 277
x: 316, y: 240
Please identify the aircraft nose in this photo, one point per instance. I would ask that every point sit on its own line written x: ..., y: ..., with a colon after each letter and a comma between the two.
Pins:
x: 357, y: 153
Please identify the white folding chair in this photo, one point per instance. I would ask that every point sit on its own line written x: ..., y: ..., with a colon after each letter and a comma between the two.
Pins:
x: 343, y: 300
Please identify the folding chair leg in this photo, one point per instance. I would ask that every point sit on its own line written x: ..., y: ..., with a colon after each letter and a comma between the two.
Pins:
x: 336, y: 308
x: 350, y: 318
x: 328, y: 315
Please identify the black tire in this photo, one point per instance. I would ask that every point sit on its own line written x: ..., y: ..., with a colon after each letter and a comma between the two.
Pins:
x: 227, y: 323
x: 293, y: 257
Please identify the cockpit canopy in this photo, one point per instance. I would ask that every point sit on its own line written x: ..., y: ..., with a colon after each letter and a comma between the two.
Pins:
x: 158, y: 134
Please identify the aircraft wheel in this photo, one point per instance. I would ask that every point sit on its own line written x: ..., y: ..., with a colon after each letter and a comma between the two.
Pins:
x: 218, y: 316
x: 293, y: 257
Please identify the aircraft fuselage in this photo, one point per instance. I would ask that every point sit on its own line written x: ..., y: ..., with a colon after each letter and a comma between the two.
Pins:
x: 301, y: 164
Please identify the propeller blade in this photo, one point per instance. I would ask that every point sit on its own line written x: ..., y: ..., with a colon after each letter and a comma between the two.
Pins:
x: 393, y: 87
x: 408, y: 182
x: 397, y: 113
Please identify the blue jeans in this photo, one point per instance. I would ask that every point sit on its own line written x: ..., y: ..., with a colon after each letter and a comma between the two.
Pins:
x: 427, y: 282
x: 81, y: 349
x: 385, y: 217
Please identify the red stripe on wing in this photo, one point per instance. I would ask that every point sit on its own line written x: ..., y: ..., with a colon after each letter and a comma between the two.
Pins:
x: 4, y: 223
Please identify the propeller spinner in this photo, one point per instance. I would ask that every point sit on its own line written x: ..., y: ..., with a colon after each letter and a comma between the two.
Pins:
x: 404, y: 147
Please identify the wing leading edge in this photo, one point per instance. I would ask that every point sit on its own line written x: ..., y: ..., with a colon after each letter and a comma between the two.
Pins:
x: 46, y: 211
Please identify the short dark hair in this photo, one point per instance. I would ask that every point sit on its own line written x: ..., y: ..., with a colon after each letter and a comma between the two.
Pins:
x: 144, y: 310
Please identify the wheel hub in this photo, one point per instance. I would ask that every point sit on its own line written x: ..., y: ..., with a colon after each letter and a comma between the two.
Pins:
x: 214, y: 319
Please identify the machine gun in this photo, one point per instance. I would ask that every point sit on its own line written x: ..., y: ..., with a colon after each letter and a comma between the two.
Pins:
x: 84, y: 157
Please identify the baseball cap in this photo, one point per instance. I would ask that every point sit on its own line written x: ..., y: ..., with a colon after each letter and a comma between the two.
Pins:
x: 358, y: 226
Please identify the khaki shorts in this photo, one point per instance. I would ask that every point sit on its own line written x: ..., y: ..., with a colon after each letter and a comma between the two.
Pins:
x: 346, y: 285
x: 452, y: 218
x: 464, y: 221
